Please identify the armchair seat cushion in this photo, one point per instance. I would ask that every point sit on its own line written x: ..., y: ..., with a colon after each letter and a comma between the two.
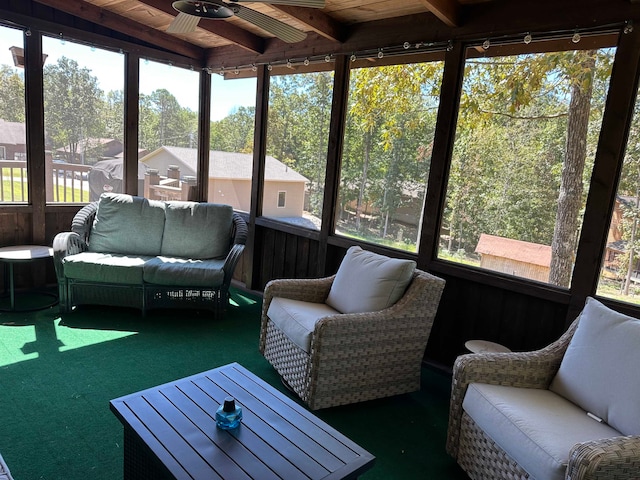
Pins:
x: 535, y: 427
x: 105, y: 267
x: 297, y: 319
x: 184, y: 272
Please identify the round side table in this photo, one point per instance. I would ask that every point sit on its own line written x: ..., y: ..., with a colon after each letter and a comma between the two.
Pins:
x: 24, y: 254
x: 484, y: 346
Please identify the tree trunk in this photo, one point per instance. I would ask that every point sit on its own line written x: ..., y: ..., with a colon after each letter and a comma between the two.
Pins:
x: 570, y: 197
x: 363, y: 181
x: 632, y: 243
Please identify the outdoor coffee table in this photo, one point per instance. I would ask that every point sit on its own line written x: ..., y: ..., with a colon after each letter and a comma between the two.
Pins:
x: 170, y: 432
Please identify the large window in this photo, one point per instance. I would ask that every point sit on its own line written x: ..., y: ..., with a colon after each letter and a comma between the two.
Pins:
x: 13, y: 139
x: 620, y: 272
x: 387, y: 153
x: 168, y: 131
x: 83, y: 113
x: 526, y: 136
x: 233, y: 108
x: 297, y: 136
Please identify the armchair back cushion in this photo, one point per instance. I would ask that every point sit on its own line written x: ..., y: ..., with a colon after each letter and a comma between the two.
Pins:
x: 599, y: 371
x: 117, y: 227
x: 196, y: 230
x: 368, y: 282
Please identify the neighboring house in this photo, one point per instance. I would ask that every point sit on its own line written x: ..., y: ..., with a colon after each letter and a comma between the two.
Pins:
x: 91, y: 150
x: 514, y: 257
x: 13, y: 141
x: 230, y: 179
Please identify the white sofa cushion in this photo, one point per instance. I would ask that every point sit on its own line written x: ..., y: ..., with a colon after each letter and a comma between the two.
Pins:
x: 369, y: 282
x: 599, y: 371
x: 535, y: 427
x: 297, y: 319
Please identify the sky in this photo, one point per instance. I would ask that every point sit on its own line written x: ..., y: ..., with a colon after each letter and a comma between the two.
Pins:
x: 108, y: 68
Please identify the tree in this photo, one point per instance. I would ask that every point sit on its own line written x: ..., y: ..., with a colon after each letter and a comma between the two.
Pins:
x: 164, y: 122
x: 12, y: 99
x: 524, y: 127
x: 570, y: 198
x: 72, y: 101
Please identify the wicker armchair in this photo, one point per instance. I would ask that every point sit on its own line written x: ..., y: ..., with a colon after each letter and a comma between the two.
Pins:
x: 482, y: 458
x: 357, y: 356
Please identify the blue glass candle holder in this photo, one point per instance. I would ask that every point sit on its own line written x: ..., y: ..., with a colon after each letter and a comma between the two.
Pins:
x: 228, y: 415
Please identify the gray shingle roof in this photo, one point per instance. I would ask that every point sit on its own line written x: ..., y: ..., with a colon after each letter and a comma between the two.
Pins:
x: 234, y: 165
x: 12, y: 133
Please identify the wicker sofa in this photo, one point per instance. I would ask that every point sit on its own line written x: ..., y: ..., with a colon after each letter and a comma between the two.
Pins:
x: 355, y: 336
x: 130, y: 251
x: 567, y: 411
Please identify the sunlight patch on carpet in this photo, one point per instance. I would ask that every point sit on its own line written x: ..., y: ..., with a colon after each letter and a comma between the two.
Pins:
x: 26, y: 342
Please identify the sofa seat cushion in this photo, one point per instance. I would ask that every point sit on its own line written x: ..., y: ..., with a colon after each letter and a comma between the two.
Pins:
x: 197, y: 230
x: 184, y: 272
x: 535, y: 427
x: 127, y: 224
x: 599, y: 371
x: 105, y: 267
x: 368, y: 282
x: 297, y: 319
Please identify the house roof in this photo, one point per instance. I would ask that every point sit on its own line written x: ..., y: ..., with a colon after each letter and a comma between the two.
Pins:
x: 12, y: 133
x: 230, y: 165
x: 525, y: 252
x: 90, y: 144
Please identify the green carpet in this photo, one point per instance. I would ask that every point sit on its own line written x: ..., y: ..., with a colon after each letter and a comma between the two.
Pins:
x: 58, y: 373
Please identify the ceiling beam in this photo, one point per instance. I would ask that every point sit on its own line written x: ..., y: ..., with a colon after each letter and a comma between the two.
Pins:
x: 448, y: 11
x: 108, y: 19
x: 237, y: 35
x: 317, y: 20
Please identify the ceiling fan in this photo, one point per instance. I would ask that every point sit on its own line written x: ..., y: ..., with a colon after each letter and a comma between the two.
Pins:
x: 191, y: 11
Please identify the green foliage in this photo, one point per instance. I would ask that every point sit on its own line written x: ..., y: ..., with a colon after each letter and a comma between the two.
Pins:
x: 234, y: 133
x: 163, y: 122
x: 12, y: 98
x: 72, y: 99
x: 511, y: 143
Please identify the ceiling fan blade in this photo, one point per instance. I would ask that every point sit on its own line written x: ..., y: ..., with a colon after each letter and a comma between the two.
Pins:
x: 183, y: 23
x: 284, y: 32
x: 292, y: 3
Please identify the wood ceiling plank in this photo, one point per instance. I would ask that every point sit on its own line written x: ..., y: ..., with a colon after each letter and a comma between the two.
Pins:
x: 106, y: 18
x: 318, y: 21
x: 447, y: 11
x: 222, y: 28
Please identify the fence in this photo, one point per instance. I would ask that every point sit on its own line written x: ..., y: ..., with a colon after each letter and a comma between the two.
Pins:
x: 69, y: 183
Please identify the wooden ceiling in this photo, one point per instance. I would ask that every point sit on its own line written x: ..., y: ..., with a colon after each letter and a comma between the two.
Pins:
x: 342, y: 26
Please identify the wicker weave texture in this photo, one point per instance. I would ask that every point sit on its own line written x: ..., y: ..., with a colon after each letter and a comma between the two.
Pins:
x: 353, y: 357
x: 481, y: 458
x: 606, y: 459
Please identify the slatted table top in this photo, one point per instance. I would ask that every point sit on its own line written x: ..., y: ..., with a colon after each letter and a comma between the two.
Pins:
x: 277, y: 439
